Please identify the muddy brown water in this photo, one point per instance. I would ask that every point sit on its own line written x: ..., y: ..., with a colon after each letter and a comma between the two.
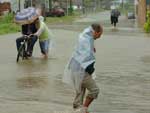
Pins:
x: 35, y: 85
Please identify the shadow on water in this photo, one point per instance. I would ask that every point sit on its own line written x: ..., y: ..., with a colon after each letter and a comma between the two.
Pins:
x: 35, y: 64
x: 33, y: 73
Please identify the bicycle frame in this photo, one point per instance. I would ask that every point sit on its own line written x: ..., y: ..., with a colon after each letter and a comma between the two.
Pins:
x: 23, y: 48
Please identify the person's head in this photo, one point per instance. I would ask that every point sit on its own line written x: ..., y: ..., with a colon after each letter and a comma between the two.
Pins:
x: 97, y: 30
x: 39, y: 11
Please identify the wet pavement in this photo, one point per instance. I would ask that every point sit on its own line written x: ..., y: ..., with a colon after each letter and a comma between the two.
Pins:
x: 122, y: 68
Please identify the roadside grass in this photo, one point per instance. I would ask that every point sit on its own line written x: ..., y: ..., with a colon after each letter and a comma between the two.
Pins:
x: 60, y: 20
x: 8, y: 26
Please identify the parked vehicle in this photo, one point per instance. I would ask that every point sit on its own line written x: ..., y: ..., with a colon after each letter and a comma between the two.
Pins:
x: 131, y: 15
x: 58, y: 12
x: 4, y: 8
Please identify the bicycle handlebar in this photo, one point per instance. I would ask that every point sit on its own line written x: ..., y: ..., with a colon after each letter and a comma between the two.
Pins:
x: 28, y: 36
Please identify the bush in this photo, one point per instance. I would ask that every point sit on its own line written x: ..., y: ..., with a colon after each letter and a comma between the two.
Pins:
x: 7, y: 25
x: 9, y: 28
x: 8, y: 18
x: 147, y: 24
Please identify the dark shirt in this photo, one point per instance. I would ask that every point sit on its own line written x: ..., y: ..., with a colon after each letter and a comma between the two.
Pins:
x: 115, y: 13
x: 90, y: 69
x: 28, y: 29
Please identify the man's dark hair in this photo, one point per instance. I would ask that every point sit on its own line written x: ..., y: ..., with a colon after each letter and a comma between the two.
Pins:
x: 97, y: 27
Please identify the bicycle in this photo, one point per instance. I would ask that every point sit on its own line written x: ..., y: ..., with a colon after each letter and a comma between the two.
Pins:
x: 22, y: 52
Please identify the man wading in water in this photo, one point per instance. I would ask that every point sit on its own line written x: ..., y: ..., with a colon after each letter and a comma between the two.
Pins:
x: 80, y: 68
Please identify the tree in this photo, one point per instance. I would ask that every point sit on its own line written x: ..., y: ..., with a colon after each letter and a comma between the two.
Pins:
x: 50, y: 4
x: 70, y: 8
x: 19, y: 8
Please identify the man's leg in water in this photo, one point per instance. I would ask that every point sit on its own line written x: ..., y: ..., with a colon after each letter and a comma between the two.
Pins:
x: 31, y: 45
x: 18, y: 42
x: 90, y: 84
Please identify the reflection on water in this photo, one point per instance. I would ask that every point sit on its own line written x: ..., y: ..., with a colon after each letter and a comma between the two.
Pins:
x: 115, y: 29
x: 32, y: 82
x: 146, y: 59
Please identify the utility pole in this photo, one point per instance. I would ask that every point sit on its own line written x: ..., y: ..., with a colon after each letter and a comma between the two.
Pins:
x: 19, y: 5
x: 100, y: 3
x: 122, y: 4
x: 95, y: 5
x: 70, y: 9
x: 83, y: 6
x: 50, y: 4
x: 67, y: 7
x: 31, y: 3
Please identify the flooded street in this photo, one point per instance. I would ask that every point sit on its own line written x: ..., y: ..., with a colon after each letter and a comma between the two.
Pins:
x: 122, y: 69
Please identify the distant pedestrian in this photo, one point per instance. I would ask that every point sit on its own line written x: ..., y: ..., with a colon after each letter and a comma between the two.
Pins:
x: 115, y: 13
x: 44, y: 35
x: 79, y: 71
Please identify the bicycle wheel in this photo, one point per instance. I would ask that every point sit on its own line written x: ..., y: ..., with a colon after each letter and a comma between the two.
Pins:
x: 21, y: 52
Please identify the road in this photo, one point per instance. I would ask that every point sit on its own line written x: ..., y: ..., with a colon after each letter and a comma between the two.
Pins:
x: 122, y: 69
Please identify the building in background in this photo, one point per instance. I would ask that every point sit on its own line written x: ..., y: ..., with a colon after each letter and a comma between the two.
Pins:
x: 17, y: 5
x: 5, y: 7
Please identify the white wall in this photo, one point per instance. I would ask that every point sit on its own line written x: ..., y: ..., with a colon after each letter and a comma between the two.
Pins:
x: 15, y: 5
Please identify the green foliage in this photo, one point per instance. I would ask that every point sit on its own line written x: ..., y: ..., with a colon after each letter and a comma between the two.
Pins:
x: 7, y: 25
x: 87, y: 2
x: 9, y: 28
x: 8, y: 18
x: 61, y: 20
x: 70, y: 11
x: 147, y: 24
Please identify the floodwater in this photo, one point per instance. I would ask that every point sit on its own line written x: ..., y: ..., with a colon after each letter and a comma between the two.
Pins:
x: 122, y: 69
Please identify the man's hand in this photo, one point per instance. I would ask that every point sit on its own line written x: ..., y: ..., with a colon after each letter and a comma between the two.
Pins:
x: 31, y: 35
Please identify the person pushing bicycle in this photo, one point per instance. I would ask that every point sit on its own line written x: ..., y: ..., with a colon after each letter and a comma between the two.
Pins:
x: 44, y: 35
